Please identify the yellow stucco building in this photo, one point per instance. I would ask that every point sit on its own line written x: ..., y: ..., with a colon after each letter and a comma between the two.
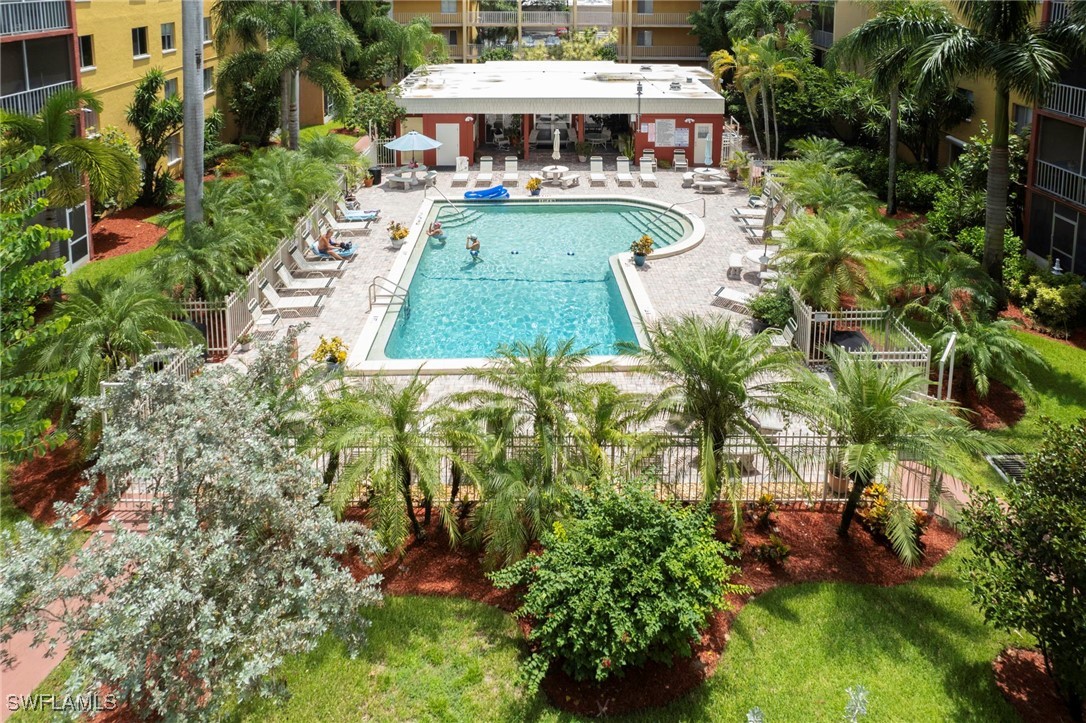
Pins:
x: 120, y: 40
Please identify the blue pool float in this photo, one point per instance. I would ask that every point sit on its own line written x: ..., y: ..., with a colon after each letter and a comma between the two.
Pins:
x: 494, y: 193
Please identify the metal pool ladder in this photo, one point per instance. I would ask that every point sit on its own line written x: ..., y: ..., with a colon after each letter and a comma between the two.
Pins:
x: 388, y: 292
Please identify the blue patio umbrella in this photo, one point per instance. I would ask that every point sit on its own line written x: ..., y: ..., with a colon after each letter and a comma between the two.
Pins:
x: 413, y: 141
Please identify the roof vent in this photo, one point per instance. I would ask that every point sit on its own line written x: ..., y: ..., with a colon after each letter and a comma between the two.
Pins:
x: 646, y: 67
x: 675, y: 85
x: 689, y: 80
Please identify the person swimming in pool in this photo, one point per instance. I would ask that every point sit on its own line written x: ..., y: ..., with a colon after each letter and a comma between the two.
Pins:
x: 435, y: 230
x: 472, y: 246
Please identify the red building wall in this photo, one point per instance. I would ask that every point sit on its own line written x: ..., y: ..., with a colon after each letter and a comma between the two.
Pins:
x: 467, y: 134
x: 641, y: 140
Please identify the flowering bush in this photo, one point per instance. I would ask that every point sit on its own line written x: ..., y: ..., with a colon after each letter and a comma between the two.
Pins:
x: 625, y: 579
x: 534, y: 184
x: 642, y: 246
x: 876, y: 508
x: 397, y: 231
x: 764, y: 507
x: 331, y: 350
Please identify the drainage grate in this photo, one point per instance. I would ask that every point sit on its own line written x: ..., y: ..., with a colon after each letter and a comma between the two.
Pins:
x: 1011, y: 467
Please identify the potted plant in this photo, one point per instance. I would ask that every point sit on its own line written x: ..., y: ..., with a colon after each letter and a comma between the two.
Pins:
x: 583, y: 149
x: 739, y: 162
x: 245, y: 342
x: 641, y: 248
x: 397, y: 232
x: 333, y: 352
x: 367, y: 179
x: 534, y: 186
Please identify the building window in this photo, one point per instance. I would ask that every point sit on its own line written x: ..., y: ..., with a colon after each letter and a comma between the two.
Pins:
x: 644, y: 38
x: 452, y: 38
x: 170, y: 89
x: 971, y: 97
x: 139, y: 42
x: 167, y: 37
x: 173, y: 152
x: 449, y: 6
x: 644, y: 7
x: 207, y: 29
x: 1023, y: 118
x: 209, y: 81
x: 86, y: 51
x: 90, y: 123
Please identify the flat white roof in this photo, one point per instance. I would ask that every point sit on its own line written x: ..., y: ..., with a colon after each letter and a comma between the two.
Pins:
x: 560, y: 86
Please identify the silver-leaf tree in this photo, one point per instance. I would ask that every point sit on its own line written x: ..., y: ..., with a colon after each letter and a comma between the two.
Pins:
x: 237, y: 567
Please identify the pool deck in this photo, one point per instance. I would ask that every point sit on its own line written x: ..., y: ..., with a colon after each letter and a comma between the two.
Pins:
x: 681, y: 284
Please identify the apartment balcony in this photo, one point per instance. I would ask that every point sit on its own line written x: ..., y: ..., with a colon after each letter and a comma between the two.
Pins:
x: 1068, y: 100
x: 501, y: 18
x: 435, y: 19
x: 20, y: 17
x: 596, y: 18
x: 30, y: 101
x: 669, y: 52
x: 546, y: 18
x: 1062, y: 182
x: 822, y: 38
x: 660, y: 20
x: 1059, y: 10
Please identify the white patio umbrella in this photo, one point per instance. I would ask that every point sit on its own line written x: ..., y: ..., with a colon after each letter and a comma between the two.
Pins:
x: 709, y: 150
x: 556, y: 154
x: 413, y: 141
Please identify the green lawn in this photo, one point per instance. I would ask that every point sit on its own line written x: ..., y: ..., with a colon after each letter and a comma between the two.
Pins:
x: 312, y: 131
x: 115, y: 267
x: 921, y: 649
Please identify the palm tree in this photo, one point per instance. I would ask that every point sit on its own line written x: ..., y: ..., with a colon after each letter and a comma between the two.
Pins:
x: 192, y: 12
x: 884, y: 44
x: 827, y: 152
x: 997, y: 39
x: 821, y: 188
x: 608, y: 418
x: 837, y: 254
x: 717, y: 380
x: 156, y: 120
x: 987, y: 350
x: 113, y: 322
x: 877, y: 415
x: 69, y: 159
x: 755, y: 18
x: 404, y: 46
x: 385, y: 426
x: 722, y: 62
x: 203, y: 262
x: 939, y: 282
x: 282, y: 41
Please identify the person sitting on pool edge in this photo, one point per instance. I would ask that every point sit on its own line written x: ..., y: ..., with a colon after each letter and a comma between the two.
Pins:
x: 435, y: 230
x: 473, y: 247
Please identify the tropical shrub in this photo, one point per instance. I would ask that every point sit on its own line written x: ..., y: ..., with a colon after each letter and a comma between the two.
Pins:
x: 156, y: 119
x: 916, y: 189
x: 1027, y: 565
x: 376, y: 109
x: 624, y: 580
x: 772, y: 307
x: 988, y: 350
x: 871, y: 166
x: 1053, y: 300
x: 879, y: 513
x: 957, y: 206
x: 971, y: 241
x: 238, y: 566
x: 764, y: 509
x: 255, y: 107
x: 115, y: 137
x: 774, y: 552
x: 497, y: 53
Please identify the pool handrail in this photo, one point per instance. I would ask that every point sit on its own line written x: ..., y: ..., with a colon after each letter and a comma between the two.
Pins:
x: 458, y: 209
x: 677, y: 203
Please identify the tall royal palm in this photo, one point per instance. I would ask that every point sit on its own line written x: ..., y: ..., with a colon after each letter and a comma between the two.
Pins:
x: 402, y: 47
x: 1000, y: 40
x: 884, y: 44
x: 192, y: 65
x: 68, y: 158
x: 875, y: 416
x: 283, y: 40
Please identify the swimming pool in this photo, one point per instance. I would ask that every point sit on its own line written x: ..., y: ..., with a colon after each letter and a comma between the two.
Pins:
x: 543, y: 268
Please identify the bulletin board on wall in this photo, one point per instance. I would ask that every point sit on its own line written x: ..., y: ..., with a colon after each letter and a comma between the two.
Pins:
x: 665, y: 133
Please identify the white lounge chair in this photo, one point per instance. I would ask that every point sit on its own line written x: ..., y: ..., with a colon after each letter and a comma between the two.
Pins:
x: 648, y: 154
x: 736, y: 300
x: 623, y: 177
x: 510, y: 176
x: 302, y: 265
x: 757, y: 233
x: 292, y: 306
x: 344, y: 214
x: 709, y: 186
x: 460, y: 177
x: 735, y: 267
x: 304, y: 286
x: 648, y: 178
x: 486, y: 171
x: 784, y: 338
x: 680, y: 161
x: 595, y: 171
x: 264, y: 322
x: 740, y: 212
x: 570, y: 180
x: 344, y: 227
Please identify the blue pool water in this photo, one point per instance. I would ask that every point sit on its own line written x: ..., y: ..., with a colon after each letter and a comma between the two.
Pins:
x: 544, y: 269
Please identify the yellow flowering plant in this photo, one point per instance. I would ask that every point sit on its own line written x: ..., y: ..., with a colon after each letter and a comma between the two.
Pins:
x: 533, y: 184
x: 642, y: 246
x: 397, y: 231
x: 331, y: 350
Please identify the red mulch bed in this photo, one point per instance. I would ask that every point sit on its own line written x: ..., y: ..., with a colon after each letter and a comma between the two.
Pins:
x: 37, y: 484
x: 818, y: 554
x: 1077, y: 337
x: 1021, y: 677
x: 1003, y: 407
x: 126, y: 232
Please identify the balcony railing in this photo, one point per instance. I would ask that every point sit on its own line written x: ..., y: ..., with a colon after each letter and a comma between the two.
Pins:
x: 434, y: 18
x: 18, y: 17
x: 597, y: 18
x: 545, y: 17
x: 822, y: 38
x: 1059, y: 10
x: 685, y: 52
x: 1069, y: 100
x: 494, y: 17
x: 30, y: 102
x: 660, y: 19
x: 1060, y: 181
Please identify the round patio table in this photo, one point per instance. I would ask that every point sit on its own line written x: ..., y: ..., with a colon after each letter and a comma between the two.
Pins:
x: 762, y: 257
x: 553, y: 173
x: 708, y: 172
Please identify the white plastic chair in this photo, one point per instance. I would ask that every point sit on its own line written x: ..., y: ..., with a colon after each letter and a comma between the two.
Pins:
x: 460, y: 177
x: 486, y: 171
x: 623, y: 175
x: 648, y: 178
x: 295, y: 305
x: 595, y: 171
x: 510, y: 176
